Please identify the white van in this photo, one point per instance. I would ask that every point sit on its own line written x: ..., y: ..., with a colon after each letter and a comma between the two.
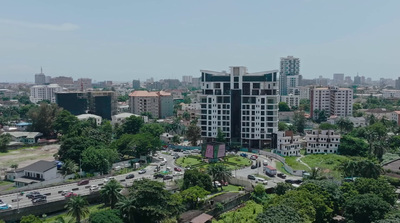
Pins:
x: 261, y: 180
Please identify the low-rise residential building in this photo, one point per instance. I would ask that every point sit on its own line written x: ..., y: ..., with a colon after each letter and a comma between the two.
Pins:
x: 291, y: 100
x: 357, y: 121
x: 23, y: 126
x: 390, y: 94
x: 120, y: 118
x: 35, y: 173
x: 166, y: 137
x: 288, y: 144
x: 85, y: 117
x: 396, y: 117
x: 322, y: 141
x: 24, y: 137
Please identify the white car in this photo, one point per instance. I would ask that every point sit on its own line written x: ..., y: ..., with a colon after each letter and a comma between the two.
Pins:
x: 261, y: 180
x: 186, y: 152
x: 217, y: 184
x: 142, y: 171
x: 177, y: 174
x: 94, y: 187
x: 108, y: 179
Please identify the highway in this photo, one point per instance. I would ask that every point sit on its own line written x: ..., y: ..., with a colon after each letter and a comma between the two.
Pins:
x: 54, y: 193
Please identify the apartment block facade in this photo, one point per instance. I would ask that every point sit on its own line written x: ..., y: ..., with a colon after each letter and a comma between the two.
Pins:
x: 44, y: 92
x: 322, y: 141
x: 243, y: 105
x: 289, y: 78
x: 159, y: 104
x: 288, y: 144
x: 333, y: 100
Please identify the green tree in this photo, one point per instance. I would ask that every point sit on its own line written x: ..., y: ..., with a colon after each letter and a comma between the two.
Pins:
x: 43, y: 118
x: 105, y: 216
x: 186, y: 115
x: 299, y: 121
x: 194, y: 177
x: 110, y: 192
x: 144, y: 144
x: 148, y: 114
x: 5, y: 139
x: 345, y: 125
x: 127, y: 207
x: 219, y: 172
x: 304, y: 105
x: 98, y: 160
x: 246, y: 214
x: 327, y: 126
x: 77, y: 207
x: 122, y: 144
x: 360, y: 168
x: 68, y: 167
x: 320, y: 116
x: 14, y: 166
x: 352, y: 146
x: 153, y: 202
x: 379, y: 187
x: 279, y: 214
x: 72, y: 147
x: 193, y: 195
x: 220, y: 136
x: 176, y: 139
x: 123, y: 98
x: 30, y: 219
x: 259, y: 195
x: 282, y: 126
x: 365, y: 208
x: 65, y: 121
x: 282, y: 187
x: 193, y: 134
x: 154, y: 129
x: 132, y: 125
x: 283, y: 106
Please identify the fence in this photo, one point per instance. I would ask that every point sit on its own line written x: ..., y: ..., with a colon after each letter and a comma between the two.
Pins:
x: 229, y: 204
x: 283, y: 161
x: 171, y: 146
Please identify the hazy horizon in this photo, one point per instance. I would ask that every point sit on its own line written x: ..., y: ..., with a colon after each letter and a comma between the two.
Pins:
x: 127, y: 40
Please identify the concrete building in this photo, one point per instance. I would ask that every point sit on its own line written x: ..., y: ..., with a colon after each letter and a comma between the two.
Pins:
x: 338, y: 79
x: 159, y: 104
x: 44, y: 92
x: 85, y: 117
x: 166, y: 104
x: 291, y: 100
x: 40, y: 78
x: 120, y: 118
x: 322, y: 141
x: 74, y: 102
x: 396, y: 117
x: 347, y: 80
x: 288, y: 144
x: 333, y: 100
x: 357, y: 121
x: 357, y: 80
x: 7, y: 93
x: 243, y: 105
x: 24, y: 137
x: 187, y: 79
x: 35, y: 173
x: 289, y: 74
x: 136, y: 84
x: 387, y: 94
x: 83, y: 84
x: 304, y: 93
x: 62, y: 81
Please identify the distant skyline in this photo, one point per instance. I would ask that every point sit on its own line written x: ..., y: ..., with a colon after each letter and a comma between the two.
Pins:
x: 126, y: 40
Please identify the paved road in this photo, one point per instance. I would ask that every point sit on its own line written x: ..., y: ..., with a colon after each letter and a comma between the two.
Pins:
x: 84, y: 189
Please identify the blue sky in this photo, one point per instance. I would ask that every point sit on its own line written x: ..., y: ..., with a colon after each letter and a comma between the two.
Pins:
x: 125, y: 40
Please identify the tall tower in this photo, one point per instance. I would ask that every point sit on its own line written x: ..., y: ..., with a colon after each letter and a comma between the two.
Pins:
x: 289, y: 75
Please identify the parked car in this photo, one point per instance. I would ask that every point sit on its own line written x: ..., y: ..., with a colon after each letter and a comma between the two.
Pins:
x: 130, y: 176
x: 253, y: 166
x: 5, y: 206
x: 265, y: 163
x: 168, y: 177
x: 93, y: 187
x: 281, y: 175
x: 217, y: 184
x: 108, y: 179
x: 158, y: 175
x: 177, y: 174
x: 186, y: 152
x: 83, y: 182
x: 261, y: 180
x: 31, y: 194
x: 70, y: 194
x: 142, y: 171
x: 293, y: 181
x: 177, y: 169
x: 243, y: 155
x: 224, y: 183
x: 251, y: 177
x: 253, y: 157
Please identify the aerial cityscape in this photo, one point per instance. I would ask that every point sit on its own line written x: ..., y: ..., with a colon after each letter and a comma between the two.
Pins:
x: 182, y: 112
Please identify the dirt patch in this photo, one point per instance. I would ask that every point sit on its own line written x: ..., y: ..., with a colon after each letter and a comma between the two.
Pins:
x: 25, y: 157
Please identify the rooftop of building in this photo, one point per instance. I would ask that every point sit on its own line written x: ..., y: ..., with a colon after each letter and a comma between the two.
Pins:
x: 143, y: 94
x: 40, y: 166
x: 29, y: 135
x: 86, y: 116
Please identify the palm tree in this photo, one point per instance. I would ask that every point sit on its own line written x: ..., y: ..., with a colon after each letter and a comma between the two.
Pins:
x: 219, y: 172
x: 68, y: 167
x: 77, y: 207
x: 127, y: 207
x: 60, y: 219
x: 315, y: 173
x: 369, y: 169
x: 110, y: 192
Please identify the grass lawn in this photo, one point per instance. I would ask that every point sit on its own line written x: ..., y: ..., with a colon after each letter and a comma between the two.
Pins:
x: 2, y: 183
x: 291, y: 161
x: 67, y: 218
x: 279, y: 166
x: 230, y: 188
x: 241, y: 161
x: 328, y: 161
x: 187, y: 161
x: 303, y: 152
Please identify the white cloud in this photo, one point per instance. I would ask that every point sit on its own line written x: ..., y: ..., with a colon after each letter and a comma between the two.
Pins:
x: 59, y: 27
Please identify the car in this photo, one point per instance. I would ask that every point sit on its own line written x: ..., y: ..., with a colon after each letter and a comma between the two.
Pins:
x: 168, y: 177
x: 163, y: 163
x: 281, y: 175
x: 265, y: 163
x: 217, y: 184
x: 253, y: 157
x: 108, y: 179
x: 39, y: 199
x: 158, y: 175
x: 155, y: 155
x: 186, y: 152
x: 177, y: 169
x: 83, y: 182
x: 130, y: 176
x: 224, y: 183
x: 251, y: 177
x: 261, y: 180
x: 70, y: 194
x: 253, y: 167
x: 64, y: 192
x: 177, y: 174
x: 93, y: 187
x: 176, y: 157
x: 5, y: 206
x: 36, y: 196
x: 117, y: 168
x: 142, y: 171
x: 31, y: 194
x: 243, y: 155
x: 168, y: 168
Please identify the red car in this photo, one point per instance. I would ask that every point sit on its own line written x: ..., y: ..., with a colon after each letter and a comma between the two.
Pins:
x: 70, y: 194
x: 224, y: 183
x: 177, y: 169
